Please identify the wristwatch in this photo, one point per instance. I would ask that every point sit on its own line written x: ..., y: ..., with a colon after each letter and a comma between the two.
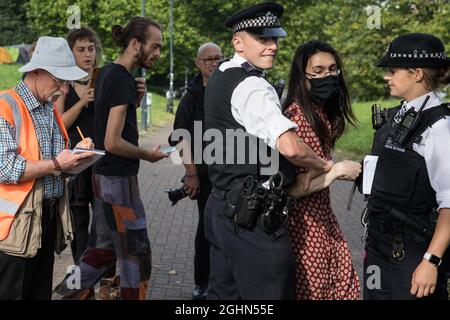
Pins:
x: 431, y: 258
x: 58, y: 168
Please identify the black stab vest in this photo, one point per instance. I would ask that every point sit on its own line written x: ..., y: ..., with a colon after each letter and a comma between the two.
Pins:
x: 401, y: 178
x: 218, y: 116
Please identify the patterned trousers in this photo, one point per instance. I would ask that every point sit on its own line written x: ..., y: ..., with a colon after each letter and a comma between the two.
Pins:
x: 118, y: 232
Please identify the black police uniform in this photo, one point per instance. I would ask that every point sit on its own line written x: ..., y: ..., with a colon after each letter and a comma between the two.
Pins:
x: 191, y: 109
x: 246, y: 263
x: 397, y: 241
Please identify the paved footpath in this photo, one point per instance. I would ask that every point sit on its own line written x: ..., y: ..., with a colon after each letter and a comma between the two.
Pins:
x: 172, y: 229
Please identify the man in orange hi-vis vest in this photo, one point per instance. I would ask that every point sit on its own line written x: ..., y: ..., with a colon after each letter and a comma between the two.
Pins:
x: 34, y: 152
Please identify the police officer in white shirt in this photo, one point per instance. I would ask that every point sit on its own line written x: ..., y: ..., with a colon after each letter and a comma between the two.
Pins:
x: 409, y: 204
x: 250, y: 262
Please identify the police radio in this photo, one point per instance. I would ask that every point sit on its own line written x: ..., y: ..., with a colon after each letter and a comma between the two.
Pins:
x: 379, y: 116
x: 409, y: 121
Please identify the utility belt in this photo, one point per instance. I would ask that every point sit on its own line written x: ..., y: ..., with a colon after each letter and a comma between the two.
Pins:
x: 249, y: 201
x: 401, y: 227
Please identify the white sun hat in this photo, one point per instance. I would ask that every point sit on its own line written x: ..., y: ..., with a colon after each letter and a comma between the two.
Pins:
x: 54, y: 55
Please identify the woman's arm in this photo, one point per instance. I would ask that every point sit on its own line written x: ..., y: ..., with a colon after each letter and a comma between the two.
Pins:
x: 71, y: 115
x: 346, y: 170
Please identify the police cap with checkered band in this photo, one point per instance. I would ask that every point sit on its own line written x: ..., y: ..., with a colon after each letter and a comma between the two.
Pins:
x: 260, y: 19
x: 415, y: 50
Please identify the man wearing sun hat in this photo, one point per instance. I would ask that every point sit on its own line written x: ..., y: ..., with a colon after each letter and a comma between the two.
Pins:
x: 250, y: 262
x: 34, y: 216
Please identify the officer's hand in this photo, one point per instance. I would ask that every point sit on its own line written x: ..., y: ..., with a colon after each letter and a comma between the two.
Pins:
x: 155, y: 154
x: 309, y: 176
x: 328, y: 166
x: 191, y: 186
x: 424, y: 279
x: 68, y: 161
x: 85, y: 144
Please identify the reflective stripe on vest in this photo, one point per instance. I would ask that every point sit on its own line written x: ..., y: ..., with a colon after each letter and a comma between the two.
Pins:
x: 16, y: 114
x: 8, y: 206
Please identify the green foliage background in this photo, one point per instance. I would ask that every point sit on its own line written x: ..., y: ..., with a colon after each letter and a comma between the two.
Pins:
x: 343, y: 23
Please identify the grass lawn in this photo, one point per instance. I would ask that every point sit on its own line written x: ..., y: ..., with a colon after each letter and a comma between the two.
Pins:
x: 9, y: 76
x: 357, y: 141
x: 159, y: 116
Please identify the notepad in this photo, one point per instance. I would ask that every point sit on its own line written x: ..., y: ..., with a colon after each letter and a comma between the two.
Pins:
x: 370, y: 165
x: 88, y: 163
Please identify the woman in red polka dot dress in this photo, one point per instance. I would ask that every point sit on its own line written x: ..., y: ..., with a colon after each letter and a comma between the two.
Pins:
x: 318, y: 102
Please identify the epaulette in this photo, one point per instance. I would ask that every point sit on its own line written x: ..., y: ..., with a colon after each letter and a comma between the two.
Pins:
x: 251, y: 70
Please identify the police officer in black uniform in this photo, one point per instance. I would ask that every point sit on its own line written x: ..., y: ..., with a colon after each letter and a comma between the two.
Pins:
x: 250, y: 259
x: 190, y: 113
x: 409, y: 205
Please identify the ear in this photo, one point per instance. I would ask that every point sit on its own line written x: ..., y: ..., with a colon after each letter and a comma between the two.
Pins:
x: 197, y: 62
x: 237, y: 42
x: 135, y: 44
x: 419, y: 75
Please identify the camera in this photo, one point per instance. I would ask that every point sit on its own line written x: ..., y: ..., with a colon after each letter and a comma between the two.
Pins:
x: 176, y: 195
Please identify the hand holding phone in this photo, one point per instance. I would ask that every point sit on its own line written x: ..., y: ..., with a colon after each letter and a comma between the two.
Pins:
x: 168, y: 150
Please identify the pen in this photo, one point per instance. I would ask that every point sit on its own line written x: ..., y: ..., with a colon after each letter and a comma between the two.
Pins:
x: 81, y: 134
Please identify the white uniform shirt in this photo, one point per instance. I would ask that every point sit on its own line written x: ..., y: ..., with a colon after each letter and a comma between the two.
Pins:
x: 255, y: 106
x: 435, y: 149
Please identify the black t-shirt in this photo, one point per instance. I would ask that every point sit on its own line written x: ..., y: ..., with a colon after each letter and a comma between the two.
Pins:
x: 85, y: 119
x: 115, y: 86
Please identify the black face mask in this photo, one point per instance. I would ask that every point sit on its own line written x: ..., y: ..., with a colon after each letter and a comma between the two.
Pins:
x: 324, y: 90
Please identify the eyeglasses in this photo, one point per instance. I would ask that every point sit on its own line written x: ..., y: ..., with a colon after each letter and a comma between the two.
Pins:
x: 59, y: 82
x: 324, y: 72
x: 209, y: 61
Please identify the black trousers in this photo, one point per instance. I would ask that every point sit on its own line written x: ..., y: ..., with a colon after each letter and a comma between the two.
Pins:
x: 247, y: 264
x: 202, y: 245
x: 394, y: 277
x: 31, y: 278
x: 81, y: 218
x: 80, y: 196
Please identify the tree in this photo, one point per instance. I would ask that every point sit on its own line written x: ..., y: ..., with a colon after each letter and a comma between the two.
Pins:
x: 13, y: 23
x: 342, y: 23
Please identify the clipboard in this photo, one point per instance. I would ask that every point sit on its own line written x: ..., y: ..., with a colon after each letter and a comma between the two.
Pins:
x: 98, y: 154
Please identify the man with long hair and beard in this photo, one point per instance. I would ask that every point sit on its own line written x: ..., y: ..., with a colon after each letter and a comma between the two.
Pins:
x: 119, y: 217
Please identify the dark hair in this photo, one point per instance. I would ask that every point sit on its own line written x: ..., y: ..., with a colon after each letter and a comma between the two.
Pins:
x: 436, y: 77
x: 85, y: 33
x: 298, y: 92
x: 136, y: 28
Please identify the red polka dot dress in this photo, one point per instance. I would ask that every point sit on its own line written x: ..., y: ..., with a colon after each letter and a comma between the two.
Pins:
x: 324, y: 266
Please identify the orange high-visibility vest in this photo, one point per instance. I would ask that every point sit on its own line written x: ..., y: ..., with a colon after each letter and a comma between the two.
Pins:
x: 15, y: 112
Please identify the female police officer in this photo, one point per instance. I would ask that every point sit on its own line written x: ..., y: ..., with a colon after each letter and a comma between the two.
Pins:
x: 411, y: 186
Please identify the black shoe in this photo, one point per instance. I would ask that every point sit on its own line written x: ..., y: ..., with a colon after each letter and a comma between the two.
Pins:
x: 199, y: 293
